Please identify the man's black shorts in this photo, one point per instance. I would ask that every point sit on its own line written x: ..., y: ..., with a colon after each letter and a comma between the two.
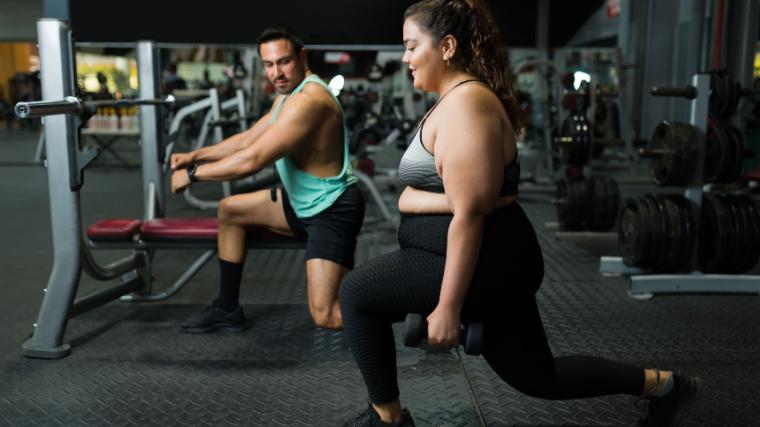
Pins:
x: 331, y: 234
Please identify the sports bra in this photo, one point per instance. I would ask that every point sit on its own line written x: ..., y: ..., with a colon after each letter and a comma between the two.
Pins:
x: 417, y: 166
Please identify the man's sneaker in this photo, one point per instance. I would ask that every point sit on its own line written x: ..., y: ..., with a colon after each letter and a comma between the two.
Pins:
x: 215, y: 318
x: 370, y: 418
x: 667, y: 410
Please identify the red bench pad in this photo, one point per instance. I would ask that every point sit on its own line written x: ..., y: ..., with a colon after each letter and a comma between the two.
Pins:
x: 114, y: 230
x: 201, y: 230
x: 179, y: 228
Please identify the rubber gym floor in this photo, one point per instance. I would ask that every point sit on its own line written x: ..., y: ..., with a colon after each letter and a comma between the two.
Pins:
x: 130, y: 364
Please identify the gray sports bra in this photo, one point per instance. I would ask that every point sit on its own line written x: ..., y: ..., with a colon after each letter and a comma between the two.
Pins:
x: 417, y: 167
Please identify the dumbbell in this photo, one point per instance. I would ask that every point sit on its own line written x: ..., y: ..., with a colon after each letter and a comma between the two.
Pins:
x: 415, y: 329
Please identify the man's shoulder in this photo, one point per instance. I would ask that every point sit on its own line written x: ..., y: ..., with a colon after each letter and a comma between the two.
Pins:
x: 314, y: 96
x: 316, y: 91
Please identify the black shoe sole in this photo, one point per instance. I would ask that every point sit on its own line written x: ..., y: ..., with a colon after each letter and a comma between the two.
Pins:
x: 225, y: 327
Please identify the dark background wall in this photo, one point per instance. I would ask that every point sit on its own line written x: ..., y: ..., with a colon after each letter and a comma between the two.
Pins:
x: 354, y: 22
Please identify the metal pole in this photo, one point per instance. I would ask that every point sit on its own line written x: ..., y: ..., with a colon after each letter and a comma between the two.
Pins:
x: 57, y: 81
x: 151, y: 129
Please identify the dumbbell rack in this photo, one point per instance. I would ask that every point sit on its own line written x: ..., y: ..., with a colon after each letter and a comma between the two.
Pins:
x: 642, y: 285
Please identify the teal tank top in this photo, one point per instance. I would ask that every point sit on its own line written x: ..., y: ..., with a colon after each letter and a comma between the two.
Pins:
x: 308, y: 194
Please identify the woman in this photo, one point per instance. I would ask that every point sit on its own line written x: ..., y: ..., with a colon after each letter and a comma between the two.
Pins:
x: 468, y: 251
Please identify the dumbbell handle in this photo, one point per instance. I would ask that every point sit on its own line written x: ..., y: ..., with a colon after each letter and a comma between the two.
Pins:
x: 413, y: 336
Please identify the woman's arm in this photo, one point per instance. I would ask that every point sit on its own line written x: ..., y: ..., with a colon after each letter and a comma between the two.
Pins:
x: 469, y: 152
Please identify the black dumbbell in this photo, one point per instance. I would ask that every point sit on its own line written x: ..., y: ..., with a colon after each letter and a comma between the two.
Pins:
x: 415, y: 329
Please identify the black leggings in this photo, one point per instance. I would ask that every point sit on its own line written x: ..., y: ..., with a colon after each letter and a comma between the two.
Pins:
x: 501, y: 295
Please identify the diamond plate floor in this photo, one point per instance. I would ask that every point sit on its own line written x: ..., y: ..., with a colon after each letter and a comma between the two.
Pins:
x: 131, y: 366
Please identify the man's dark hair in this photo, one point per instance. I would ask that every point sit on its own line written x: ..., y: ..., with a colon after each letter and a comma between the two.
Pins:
x: 279, y: 32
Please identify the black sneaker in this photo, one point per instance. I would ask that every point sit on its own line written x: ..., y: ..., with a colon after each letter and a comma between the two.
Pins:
x: 370, y: 418
x: 215, y: 318
x: 667, y: 410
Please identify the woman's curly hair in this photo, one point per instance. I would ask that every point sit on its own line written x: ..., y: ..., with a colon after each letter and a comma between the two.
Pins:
x: 480, y: 49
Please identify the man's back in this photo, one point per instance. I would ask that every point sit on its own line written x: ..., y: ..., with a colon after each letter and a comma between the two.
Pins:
x: 322, y: 154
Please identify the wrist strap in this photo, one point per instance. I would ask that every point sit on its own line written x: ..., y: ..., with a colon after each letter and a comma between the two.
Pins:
x: 191, y: 173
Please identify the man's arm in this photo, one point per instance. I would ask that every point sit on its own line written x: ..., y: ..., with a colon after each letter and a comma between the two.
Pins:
x: 212, y: 153
x: 295, y: 124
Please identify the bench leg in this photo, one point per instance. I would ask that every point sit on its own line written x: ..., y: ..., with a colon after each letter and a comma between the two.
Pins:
x: 179, y: 284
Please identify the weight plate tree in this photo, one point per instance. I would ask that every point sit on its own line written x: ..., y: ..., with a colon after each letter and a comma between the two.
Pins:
x: 678, y: 235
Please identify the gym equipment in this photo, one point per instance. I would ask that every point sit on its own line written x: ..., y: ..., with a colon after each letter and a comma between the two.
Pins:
x: 415, y: 330
x: 583, y: 203
x: 690, y: 242
x: 72, y: 105
x: 575, y: 141
x: 725, y: 94
x: 65, y: 164
x: 656, y: 232
x: 547, y: 69
x: 674, y: 154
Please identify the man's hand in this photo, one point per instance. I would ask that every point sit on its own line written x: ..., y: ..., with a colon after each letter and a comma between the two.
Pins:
x: 181, y: 161
x: 180, y: 180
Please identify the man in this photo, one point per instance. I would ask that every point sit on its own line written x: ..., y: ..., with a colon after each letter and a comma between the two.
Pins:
x: 305, y: 134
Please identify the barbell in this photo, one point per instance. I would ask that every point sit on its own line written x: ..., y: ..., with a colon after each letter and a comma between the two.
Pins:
x: 72, y: 105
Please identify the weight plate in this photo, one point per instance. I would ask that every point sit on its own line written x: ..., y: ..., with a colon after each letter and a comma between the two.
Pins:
x: 689, y: 153
x: 671, y: 241
x: 715, y: 153
x: 667, y: 167
x: 655, y: 229
x: 633, y: 237
x: 716, y: 238
x: 738, y: 146
x: 740, y: 231
x: 742, y: 252
x: 688, y: 232
x: 599, y: 201
x: 725, y: 95
x: 574, y: 151
x: 585, y: 131
x: 584, y: 207
x: 753, y: 230
x: 566, y: 147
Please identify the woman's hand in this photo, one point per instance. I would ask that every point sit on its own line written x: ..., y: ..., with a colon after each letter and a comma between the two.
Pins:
x: 444, y: 329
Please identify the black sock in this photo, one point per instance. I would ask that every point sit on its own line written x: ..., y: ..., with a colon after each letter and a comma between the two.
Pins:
x: 229, y: 287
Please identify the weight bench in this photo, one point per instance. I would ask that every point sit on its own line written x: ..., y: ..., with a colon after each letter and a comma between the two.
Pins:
x: 177, y: 233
